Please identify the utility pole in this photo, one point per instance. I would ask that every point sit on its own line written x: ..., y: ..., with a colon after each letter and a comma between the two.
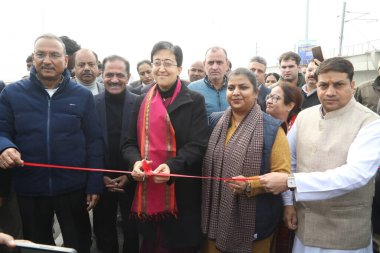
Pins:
x: 307, y: 22
x: 342, y: 29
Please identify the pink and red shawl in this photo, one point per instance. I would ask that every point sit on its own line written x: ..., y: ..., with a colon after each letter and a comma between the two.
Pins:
x: 157, y: 143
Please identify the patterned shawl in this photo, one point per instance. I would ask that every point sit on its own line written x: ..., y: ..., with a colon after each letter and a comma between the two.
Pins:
x: 227, y: 218
x: 156, y: 138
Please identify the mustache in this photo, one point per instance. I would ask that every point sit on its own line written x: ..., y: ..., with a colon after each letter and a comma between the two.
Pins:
x: 47, y: 67
x: 114, y: 84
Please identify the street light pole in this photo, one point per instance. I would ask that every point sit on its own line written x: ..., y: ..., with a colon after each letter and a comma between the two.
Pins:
x: 307, y: 22
x: 342, y: 29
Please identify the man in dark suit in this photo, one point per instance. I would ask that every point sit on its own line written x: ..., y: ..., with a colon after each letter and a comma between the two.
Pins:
x: 258, y: 65
x: 146, y: 81
x: 114, y: 107
x: 2, y: 85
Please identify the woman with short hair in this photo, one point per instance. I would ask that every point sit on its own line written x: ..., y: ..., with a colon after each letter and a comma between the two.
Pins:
x: 284, y: 103
x: 168, y: 134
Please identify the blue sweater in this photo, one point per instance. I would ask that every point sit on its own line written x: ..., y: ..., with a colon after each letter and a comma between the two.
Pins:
x: 216, y: 100
x: 63, y: 130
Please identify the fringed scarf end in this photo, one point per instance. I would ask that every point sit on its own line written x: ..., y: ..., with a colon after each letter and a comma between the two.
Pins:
x: 157, y: 217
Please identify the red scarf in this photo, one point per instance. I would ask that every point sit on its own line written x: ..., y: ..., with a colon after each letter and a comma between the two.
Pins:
x: 157, y: 143
x: 292, y: 122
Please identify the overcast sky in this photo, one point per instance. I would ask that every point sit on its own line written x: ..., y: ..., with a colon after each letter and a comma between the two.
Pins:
x: 130, y: 28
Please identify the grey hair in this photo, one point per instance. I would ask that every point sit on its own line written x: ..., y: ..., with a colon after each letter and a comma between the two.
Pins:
x: 259, y: 59
x: 52, y: 37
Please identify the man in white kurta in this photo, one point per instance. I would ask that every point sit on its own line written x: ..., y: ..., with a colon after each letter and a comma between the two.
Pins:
x: 335, y: 150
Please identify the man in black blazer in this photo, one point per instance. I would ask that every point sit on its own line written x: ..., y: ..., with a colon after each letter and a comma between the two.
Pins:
x: 146, y: 81
x: 114, y: 106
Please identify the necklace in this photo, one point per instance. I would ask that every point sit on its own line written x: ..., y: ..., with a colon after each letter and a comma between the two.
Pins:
x: 235, y: 123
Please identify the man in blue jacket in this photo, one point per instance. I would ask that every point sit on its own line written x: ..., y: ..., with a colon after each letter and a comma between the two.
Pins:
x: 50, y: 119
x: 214, y: 86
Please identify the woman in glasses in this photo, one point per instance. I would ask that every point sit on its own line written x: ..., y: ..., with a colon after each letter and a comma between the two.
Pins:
x: 284, y: 103
x: 238, y: 215
x: 169, y: 136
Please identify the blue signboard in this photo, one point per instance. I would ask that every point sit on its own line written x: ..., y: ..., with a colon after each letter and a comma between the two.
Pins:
x: 304, y: 51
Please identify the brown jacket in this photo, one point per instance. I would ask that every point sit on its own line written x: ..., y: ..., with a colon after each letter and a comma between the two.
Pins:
x: 368, y: 93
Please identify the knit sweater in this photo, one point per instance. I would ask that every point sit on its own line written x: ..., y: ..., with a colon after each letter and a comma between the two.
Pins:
x: 216, y: 100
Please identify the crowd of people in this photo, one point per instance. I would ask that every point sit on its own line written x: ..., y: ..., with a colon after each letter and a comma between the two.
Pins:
x: 231, y: 160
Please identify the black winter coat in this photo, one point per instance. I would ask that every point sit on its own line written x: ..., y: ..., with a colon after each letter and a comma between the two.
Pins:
x: 189, y: 119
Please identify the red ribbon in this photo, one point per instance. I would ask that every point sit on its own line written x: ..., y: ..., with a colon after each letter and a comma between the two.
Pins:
x: 147, y: 172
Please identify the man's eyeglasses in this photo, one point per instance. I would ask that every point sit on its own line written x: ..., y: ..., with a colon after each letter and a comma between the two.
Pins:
x: 166, y: 63
x: 52, y: 56
x: 274, y: 98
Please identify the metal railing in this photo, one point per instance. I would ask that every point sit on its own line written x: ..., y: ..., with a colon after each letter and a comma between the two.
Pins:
x: 356, y: 49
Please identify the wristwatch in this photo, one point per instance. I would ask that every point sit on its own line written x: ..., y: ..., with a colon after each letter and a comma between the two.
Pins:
x: 248, y: 188
x: 291, y: 182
